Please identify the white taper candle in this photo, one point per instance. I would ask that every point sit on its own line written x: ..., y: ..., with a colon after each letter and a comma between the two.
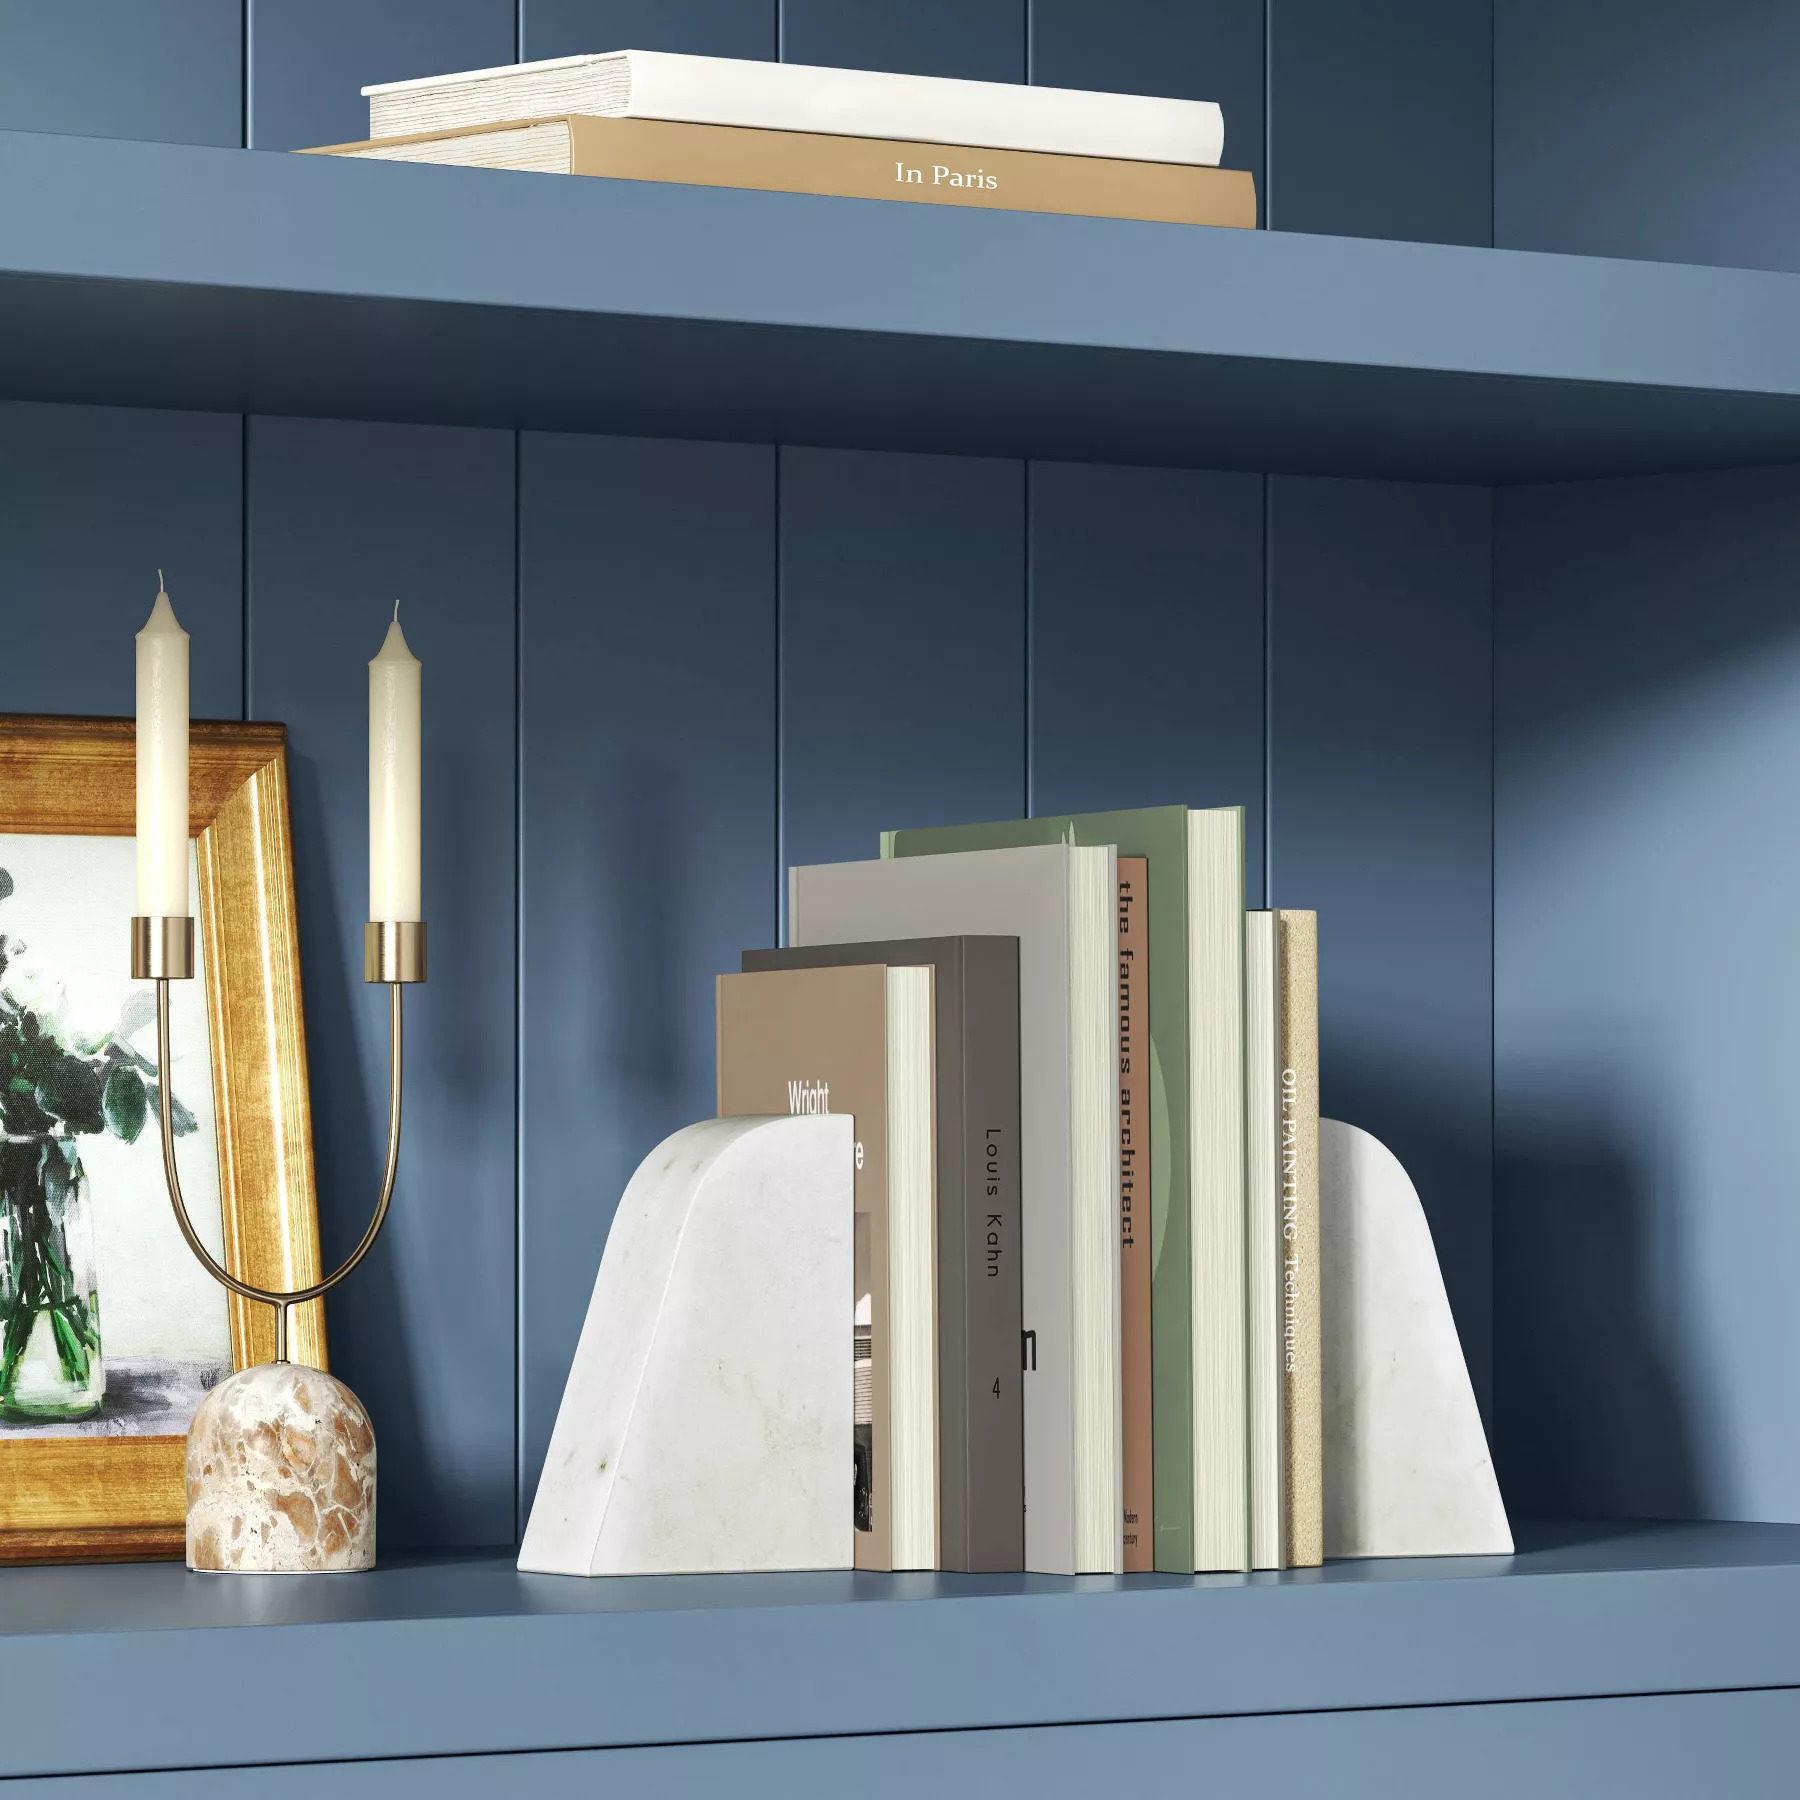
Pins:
x: 162, y: 763
x: 394, y: 780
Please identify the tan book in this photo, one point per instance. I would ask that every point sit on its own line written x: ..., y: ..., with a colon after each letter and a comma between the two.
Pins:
x: 857, y: 1040
x: 857, y: 168
x: 1136, y: 1361
x: 1302, y: 1338
x: 1263, y: 1245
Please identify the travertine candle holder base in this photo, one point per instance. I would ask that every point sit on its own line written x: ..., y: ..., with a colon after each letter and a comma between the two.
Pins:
x: 281, y: 1476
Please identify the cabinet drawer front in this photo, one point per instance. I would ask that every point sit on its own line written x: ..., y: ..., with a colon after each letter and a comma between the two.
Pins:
x: 1743, y: 1744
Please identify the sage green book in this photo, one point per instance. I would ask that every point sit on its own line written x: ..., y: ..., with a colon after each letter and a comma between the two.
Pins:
x: 1216, y: 1466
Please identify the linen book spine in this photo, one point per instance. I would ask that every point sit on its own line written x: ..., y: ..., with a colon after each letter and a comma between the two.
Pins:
x: 1303, y: 1425
x: 1216, y: 1153
x: 1262, y: 1237
x: 1136, y: 1353
x: 993, y: 1374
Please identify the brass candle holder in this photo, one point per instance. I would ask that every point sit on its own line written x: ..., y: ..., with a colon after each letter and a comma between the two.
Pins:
x: 281, y: 1457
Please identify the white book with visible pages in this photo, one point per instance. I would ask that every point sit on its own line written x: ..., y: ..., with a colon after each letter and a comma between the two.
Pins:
x: 775, y: 96
x: 1059, y: 901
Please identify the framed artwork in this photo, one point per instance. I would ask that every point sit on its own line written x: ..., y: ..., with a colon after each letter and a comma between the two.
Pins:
x: 110, y: 1331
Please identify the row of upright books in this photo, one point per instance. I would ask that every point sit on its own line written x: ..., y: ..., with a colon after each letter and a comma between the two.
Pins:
x: 1084, y: 1081
x: 645, y: 115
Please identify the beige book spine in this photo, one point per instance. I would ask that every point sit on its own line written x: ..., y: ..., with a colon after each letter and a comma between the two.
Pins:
x: 1263, y: 1069
x: 1302, y: 1337
x: 1136, y: 1359
x: 802, y: 162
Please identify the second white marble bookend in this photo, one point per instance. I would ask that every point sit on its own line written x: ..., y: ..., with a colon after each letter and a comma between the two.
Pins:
x: 1407, y: 1470
x: 706, y: 1422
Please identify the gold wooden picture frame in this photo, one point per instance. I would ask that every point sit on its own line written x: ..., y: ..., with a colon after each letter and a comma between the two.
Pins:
x: 113, y: 1498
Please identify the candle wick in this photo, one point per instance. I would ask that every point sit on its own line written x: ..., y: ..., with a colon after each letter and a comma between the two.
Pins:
x: 159, y: 581
x: 396, y: 612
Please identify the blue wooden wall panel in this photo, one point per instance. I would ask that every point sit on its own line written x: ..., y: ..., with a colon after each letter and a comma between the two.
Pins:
x: 975, y: 40
x: 1381, y: 770
x: 1205, y: 50
x: 168, y: 70
x: 902, y: 646
x: 648, y: 754
x: 310, y: 59
x: 93, y: 499
x: 1147, y: 642
x: 1650, y: 1747
x: 1648, y: 665
x: 344, y: 520
x: 698, y: 27
x: 1648, y: 128
x: 1382, y: 119
x: 902, y: 577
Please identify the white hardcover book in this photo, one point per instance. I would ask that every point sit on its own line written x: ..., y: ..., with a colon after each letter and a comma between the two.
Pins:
x: 1263, y: 1243
x: 721, y: 90
x: 1216, y: 1187
x: 1058, y: 900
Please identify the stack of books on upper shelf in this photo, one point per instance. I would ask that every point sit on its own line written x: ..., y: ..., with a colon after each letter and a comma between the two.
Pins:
x: 646, y: 115
x: 1084, y: 1084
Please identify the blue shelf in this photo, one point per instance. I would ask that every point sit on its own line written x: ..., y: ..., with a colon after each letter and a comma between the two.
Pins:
x: 103, y: 1667
x: 176, y: 276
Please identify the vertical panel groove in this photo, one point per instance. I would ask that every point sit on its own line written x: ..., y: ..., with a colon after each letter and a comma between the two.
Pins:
x: 780, y: 895
x: 244, y: 560
x: 1268, y: 193
x: 1030, y: 655
x: 1268, y: 608
x: 1491, y: 1411
x: 518, y: 978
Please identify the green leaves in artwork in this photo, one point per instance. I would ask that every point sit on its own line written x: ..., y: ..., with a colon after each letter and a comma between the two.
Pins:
x: 123, y: 1102
x: 49, y: 1086
x: 69, y: 1090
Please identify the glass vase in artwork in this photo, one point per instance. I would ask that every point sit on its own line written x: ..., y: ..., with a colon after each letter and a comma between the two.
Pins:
x: 57, y: 1086
x: 50, y: 1362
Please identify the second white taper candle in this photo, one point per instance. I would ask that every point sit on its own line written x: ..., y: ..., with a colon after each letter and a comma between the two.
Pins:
x: 162, y: 763
x: 394, y: 780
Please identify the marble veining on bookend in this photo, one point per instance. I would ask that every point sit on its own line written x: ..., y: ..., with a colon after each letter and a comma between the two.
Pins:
x: 706, y: 1423
x: 281, y: 1475
x: 1407, y: 1470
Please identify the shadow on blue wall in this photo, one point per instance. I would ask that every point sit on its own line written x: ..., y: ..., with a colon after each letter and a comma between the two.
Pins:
x: 1572, y: 1256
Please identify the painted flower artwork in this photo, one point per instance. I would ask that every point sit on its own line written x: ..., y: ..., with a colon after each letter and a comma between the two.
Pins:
x: 102, y: 1329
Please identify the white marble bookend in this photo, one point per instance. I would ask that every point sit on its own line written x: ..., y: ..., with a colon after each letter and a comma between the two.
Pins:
x: 1407, y: 1470
x: 706, y: 1422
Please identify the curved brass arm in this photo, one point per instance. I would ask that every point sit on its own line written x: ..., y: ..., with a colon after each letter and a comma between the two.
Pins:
x: 247, y: 1290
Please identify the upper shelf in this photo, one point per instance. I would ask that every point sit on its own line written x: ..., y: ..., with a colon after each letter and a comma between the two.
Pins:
x: 171, y: 275
x: 103, y: 1668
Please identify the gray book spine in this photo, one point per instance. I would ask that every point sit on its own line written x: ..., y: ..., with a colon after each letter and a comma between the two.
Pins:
x: 993, y: 1408
x: 981, y: 1429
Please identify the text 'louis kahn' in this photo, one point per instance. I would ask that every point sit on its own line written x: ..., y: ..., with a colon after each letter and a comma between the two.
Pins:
x: 942, y: 175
